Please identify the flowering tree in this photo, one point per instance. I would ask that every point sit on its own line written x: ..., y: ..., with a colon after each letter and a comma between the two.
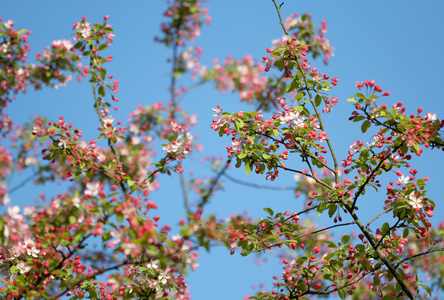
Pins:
x: 112, y: 179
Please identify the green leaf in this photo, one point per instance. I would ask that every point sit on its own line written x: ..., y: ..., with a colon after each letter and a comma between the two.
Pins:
x: 78, y: 44
x: 238, y: 124
x: 72, y: 219
x: 14, y: 270
x: 330, y: 244
x: 365, y: 126
x: 332, y: 211
x: 280, y: 64
x: 352, y: 100
x: 119, y: 218
x: 358, y: 118
x: 241, y: 155
x: 248, y: 167
x: 291, y: 86
x: 385, y: 228
x: 269, y: 211
x: 275, y: 132
x: 361, y: 248
x: 428, y: 289
x: 299, y: 96
x: 318, y: 100
x: 63, y: 285
x: 345, y: 239
x: 102, y: 91
x: 405, y: 233
x: 341, y: 293
x: 103, y: 73
x: 366, y: 264
x: 321, y: 208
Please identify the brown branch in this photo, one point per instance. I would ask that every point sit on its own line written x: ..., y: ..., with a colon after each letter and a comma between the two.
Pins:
x: 378, y: 252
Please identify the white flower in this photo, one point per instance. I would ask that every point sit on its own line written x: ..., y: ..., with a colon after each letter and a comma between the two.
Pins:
x: 153, y: 264
x: 101, y: 156
x: 62, y: 44
x: 30, y: 161
x: 135, y: 140
x: 108, y: 119
x: 14, y: 212
x: 76, y: 201
x: 415, y: 202
x: 63, y: 141
x: 28, y: 210
x: 92, y: 188
x: 134, y: 128
x: 431, y: 117
x: 23, y: 267
x: 85, y: 31
x: 163, y: 277
x: 8, y: 24
x: 31, y: 250
x: 403, y: 180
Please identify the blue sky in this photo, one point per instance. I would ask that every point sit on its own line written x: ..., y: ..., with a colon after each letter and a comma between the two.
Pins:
x: 397, y: 43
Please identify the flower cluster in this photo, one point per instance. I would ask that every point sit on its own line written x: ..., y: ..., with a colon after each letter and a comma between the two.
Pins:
x: 184, y: 23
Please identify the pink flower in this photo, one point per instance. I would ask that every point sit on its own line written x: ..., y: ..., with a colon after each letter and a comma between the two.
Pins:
x: 409, y: 139
x: 62, y: 44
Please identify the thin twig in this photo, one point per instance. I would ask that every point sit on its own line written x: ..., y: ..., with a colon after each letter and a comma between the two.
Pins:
x: 258, y: 186
x: 21, y: 184
x: 321, y: 124
x: 369, y: 176
x: 278, y: 9
x: 431, y: 250
x: 375, y: 218
x: 308, y: 175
